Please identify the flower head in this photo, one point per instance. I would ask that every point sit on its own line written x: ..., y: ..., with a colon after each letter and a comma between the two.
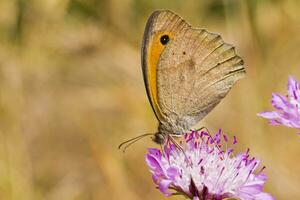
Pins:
x: 287, y: 111
x: 201, y: 170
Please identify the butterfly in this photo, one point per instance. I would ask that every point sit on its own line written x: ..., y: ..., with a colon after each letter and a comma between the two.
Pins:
x: 187, y: 71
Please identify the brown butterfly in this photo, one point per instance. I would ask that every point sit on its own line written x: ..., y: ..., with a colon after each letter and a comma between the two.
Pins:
x: 187, y: 71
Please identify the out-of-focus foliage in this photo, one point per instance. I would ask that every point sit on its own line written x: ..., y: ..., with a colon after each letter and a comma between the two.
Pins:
x: 71, y: 90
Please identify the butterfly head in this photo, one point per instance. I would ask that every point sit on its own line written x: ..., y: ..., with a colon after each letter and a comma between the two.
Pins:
x: 159, y: 138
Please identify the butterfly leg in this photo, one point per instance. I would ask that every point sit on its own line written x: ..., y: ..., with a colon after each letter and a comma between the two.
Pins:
x: 202, y: 128
x: 162, y: 149
x: 172, y: 139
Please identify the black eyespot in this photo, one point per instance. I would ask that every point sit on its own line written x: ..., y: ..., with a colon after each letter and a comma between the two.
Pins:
x: 164, y: 39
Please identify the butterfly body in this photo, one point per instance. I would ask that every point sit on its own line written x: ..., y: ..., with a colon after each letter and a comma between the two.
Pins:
x: 187, y: 71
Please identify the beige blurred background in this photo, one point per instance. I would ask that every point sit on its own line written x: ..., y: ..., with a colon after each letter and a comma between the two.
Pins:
x: 71, y: 90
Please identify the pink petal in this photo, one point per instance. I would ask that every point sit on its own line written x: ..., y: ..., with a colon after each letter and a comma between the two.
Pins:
x: 172, y: 172
x: 269, y: 115
x: 261, y: 177
x: 155, y: 179
x: 154, y: 164
x: 164, y: 186
x: 292, y: 87
x: 275, y: 122
x: 264, y: 196
x: 253, y: 189
x: 280, y: 102
x: 154, y: 152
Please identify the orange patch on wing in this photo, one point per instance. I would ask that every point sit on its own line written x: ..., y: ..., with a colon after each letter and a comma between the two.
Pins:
x: 155, y: 50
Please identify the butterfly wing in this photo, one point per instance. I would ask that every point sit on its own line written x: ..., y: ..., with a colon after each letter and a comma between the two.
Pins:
x: 188, y: 76
x: 159, y: 23
x: 195, y: 71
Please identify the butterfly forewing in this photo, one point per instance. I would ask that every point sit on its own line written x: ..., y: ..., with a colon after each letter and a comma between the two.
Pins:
x: 159, y: 23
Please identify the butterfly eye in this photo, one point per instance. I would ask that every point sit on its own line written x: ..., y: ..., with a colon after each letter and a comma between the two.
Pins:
x: 164, y: 39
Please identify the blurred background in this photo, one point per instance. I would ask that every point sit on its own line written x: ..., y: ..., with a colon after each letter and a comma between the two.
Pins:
x: 71, y: 90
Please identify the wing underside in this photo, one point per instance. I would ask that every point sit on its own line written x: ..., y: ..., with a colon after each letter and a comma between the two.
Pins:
x: 196, y: 71
x: 189, y: 76
x: 159, y: 23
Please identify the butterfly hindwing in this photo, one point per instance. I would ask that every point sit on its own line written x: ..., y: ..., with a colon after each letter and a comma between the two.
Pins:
x: 196, y: 70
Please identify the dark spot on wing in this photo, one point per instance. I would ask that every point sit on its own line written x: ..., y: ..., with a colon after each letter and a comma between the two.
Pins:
x: 164, y: 39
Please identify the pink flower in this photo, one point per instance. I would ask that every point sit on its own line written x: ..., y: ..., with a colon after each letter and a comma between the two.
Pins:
x: 287, y: 108
x: 201, y: 170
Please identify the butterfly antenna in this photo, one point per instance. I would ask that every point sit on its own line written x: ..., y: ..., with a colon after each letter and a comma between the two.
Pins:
x: 131, y: 141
